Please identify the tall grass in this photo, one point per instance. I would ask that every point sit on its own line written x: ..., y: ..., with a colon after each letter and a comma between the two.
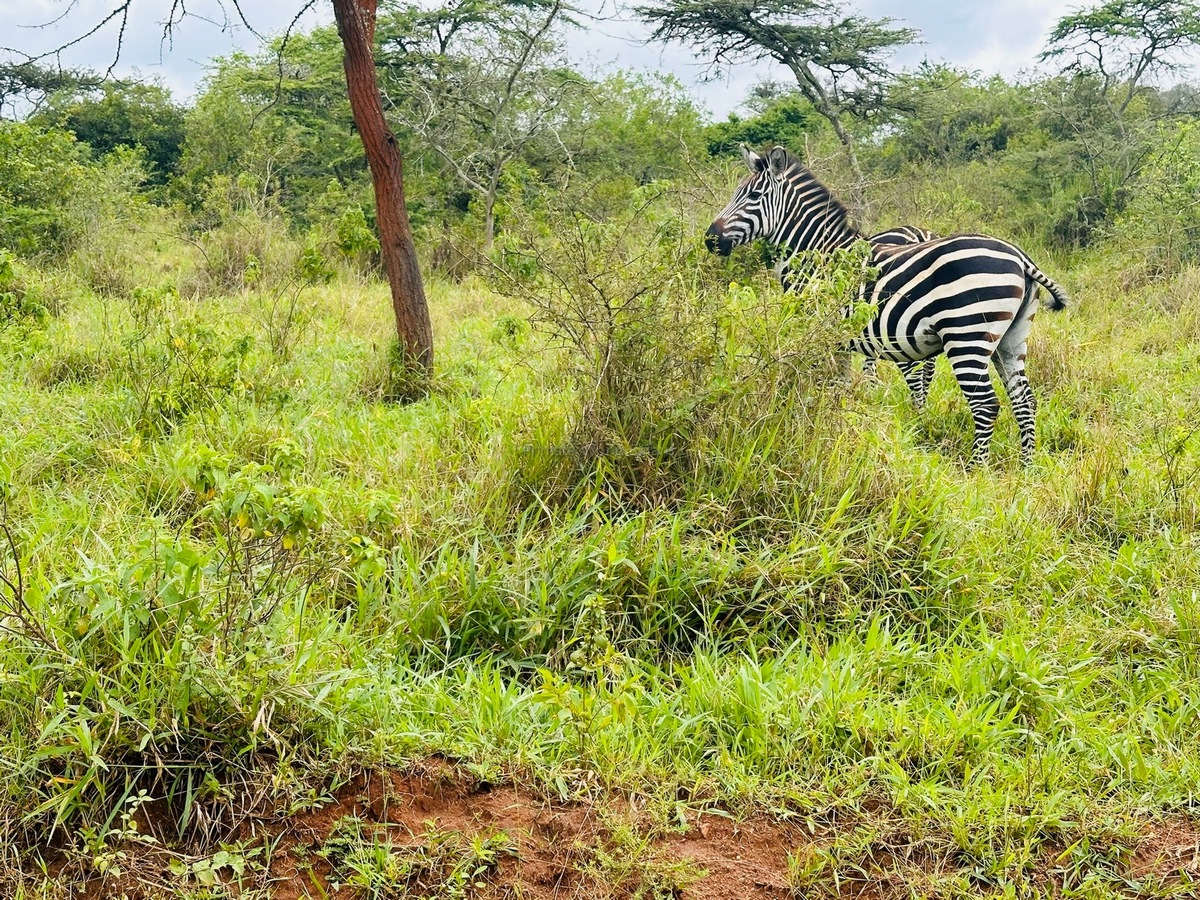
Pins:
x: 720, y: 578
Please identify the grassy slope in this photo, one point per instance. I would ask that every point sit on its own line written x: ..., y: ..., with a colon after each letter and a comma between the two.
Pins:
x: 997, y: 667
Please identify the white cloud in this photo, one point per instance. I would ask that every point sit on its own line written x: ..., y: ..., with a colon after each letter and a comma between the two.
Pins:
x: 1002, y: 37
x: 996, y: 38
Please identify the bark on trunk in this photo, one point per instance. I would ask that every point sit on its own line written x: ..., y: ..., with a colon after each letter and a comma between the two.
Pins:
x: 489, y: 211
x: 489, y: 222
x: 856, y: 191
x: 356, y: 26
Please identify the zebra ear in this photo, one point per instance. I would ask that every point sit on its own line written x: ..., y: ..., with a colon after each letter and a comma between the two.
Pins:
x: 778, y: 159
x: 754, y: 162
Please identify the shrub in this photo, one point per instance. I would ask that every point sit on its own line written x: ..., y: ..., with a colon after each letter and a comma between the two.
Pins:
x: 1162, y: 221
x: 40, y: 171
x: 18, y: 300
x: 111, y: 218
x: 56, y: 203
x: 356, y: 242
x: 245, y: 242
x: 659, y: 347
x: 617, y: 293
x: 178, y: 364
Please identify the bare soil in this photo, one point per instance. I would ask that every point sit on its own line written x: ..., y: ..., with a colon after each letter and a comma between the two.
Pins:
x: 558, y: 847
x: 433, y: 817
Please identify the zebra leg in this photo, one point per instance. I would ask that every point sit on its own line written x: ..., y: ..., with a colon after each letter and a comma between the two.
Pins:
x: 969, y: 362
x: 918, y: 375
x: 869, y: 369
x: 927, y: 373
x: 1020, y: 394
x: 1009, y: 361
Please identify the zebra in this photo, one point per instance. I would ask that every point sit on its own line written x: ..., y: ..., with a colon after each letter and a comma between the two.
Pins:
x: 969, y: 296
x: 902, y: 234
x: 918, y: 374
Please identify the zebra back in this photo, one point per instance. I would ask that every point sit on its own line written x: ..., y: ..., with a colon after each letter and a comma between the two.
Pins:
x: 902, y: 234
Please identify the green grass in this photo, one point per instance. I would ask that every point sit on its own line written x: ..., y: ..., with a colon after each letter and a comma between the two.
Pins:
x: 241, y: 571
x: 442, y: 866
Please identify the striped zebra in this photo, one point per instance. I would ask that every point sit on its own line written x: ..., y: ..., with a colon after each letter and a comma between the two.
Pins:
x: 918, y: 374
x: 902, y: 234
x: 969, y: 296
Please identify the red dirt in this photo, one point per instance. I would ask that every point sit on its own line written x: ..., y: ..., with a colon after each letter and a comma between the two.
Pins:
x: 569, y: 851
x: 742, y: 859
x: 556, y: 843
x: 1169, y: 853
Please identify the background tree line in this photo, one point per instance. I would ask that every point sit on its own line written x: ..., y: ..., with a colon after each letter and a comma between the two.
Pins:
x: 490, y: 112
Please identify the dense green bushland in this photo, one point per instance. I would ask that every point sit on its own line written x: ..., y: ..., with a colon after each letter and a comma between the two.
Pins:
x: 701, y: 572
x: 643, y: 534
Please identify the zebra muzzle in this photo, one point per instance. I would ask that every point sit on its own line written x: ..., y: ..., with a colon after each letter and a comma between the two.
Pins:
x: 716, y: 241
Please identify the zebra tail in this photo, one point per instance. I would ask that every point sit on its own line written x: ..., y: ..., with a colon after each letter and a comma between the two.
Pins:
x: 1058, y: 297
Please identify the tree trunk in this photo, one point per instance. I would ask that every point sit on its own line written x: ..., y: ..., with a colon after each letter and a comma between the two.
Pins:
x: 489, y: 214
x: 489, y: 224
x: 356, y: 26
x: 856, y: 191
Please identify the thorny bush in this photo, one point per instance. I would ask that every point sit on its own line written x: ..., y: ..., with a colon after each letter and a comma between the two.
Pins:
x: 660, y: 342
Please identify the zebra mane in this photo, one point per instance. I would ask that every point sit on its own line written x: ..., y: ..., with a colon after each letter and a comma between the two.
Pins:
x: 836, y: 209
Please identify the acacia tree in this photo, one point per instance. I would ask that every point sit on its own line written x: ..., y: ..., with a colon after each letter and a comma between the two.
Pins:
x: 1111, y: 53
x: 26, y: 86
x: 1125, y: 43
x: 356, y: 27
x: 478, y: 81
x: 839, y: 59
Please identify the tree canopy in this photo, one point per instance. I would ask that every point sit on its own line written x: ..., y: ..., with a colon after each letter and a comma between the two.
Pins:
x: 122, y: 114
x: 838, y: 58
x: 478, y: 82
x: 785, y: 120
x: 25, y: 86
x: 1125, y: 42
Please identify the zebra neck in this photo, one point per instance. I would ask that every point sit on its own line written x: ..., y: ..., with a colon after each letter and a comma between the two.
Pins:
x: 802, y: 236
x: 795, y: 266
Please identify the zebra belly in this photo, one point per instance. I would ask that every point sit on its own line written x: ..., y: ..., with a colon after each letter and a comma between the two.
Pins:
x: 952, y: 304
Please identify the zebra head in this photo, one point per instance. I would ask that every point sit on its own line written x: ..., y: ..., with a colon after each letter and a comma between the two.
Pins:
x: 782, y: 201
x: 756, y: 205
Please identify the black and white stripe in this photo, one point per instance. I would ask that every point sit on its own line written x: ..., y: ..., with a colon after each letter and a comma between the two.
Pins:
x: 901, y: 235
x: 918, y: 374
x: 969, y: 296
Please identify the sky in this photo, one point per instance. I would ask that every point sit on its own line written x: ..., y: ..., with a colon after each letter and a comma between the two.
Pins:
x: 995, y: 37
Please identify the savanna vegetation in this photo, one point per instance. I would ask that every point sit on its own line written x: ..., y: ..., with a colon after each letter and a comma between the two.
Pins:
x: 635, y: 547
